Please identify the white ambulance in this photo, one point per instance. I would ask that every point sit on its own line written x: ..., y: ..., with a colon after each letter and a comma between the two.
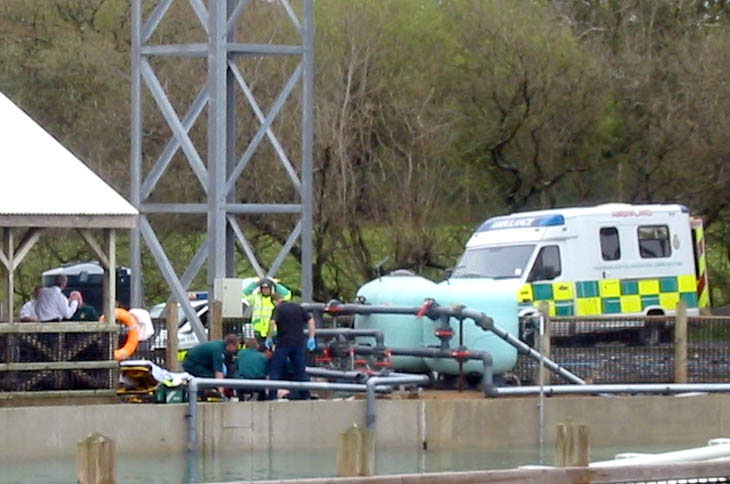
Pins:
x: 613, y: 259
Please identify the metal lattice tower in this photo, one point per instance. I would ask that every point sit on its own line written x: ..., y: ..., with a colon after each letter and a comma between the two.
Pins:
x: 224, y: 165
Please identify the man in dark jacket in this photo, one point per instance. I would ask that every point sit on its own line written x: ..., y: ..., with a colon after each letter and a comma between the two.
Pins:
x: 289, y: 320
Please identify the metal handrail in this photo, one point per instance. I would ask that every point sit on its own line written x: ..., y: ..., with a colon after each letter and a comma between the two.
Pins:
x: 379, y: 384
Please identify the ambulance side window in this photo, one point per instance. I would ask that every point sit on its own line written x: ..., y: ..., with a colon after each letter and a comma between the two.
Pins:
x: 547, y: 264
x: 610, y: 246
x: 654, y: 241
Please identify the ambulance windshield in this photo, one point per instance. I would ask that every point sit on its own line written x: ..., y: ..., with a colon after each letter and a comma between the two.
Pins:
x: 503, y: 262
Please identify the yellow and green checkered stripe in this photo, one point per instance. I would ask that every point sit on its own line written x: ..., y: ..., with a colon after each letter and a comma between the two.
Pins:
x: 703, y: 289
x: 611, y: 296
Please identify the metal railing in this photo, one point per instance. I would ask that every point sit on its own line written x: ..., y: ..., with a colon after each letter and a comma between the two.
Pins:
x: 373, y: 385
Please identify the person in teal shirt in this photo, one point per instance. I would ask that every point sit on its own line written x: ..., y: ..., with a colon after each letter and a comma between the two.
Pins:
x: 252, y: 364
x: 207, y: 360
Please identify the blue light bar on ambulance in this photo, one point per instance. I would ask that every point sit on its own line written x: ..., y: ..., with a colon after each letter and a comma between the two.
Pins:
x: 498, y: 223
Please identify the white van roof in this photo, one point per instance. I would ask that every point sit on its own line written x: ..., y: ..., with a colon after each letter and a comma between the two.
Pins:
x: 557, y: 216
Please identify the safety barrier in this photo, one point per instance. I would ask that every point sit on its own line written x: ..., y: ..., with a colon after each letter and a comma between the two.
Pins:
x: 374, y: 384
x: 57, y: 357
x: 604, y: 350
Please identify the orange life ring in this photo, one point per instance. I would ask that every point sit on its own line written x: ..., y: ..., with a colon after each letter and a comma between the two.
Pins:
x: 125, y: 317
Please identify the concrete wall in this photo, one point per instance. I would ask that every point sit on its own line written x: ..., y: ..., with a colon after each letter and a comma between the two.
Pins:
x: 480, y: 423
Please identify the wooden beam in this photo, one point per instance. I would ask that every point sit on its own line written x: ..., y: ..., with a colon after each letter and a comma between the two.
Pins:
x: 64, y: 327
x: 110, y: 274
x: 172, y: 312
x: 680, y: 343
x: 547, y: 475
x: 57, y: 394
x: 59, y: 365
x: 4, y: 259
x: 70, y: 221
x: 29, y: 239
x: 9, y: 248
x: 94, y: 246
x: 215, y: 320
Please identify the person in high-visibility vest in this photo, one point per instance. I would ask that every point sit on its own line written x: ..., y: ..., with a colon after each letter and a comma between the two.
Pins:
x: 258, y: 296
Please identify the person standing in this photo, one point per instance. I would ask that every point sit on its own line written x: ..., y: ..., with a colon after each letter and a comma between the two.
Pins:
x: 27, y: 311
x: 258, y: 295
x: 52, y: 304
x: 85, y: 312
x: 289, y: 320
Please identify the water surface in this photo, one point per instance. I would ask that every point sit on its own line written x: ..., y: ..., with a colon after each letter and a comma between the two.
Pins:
x: 253, y: 466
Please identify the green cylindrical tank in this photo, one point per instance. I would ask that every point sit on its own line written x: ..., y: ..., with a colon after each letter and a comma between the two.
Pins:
x: 399, y: 288
x: 494, y: 298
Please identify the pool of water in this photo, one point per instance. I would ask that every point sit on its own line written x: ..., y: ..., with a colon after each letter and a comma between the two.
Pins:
x: 253, y: 466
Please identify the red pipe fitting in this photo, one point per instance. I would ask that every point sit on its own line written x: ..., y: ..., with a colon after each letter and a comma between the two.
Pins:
x: 424, y: 309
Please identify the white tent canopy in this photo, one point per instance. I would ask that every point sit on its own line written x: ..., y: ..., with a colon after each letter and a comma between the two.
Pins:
x: 45, y: 185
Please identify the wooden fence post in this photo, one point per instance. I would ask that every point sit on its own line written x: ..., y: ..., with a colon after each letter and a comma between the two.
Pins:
x: 572, y: 446
x: 356, y: 453
x: 95, y: 460
x: 680, y: 343
x: 171, y: 323
x: 542, y: 345
x: 216, y: 320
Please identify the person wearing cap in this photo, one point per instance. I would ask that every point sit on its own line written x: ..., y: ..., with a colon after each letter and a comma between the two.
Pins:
x: 258, y: 295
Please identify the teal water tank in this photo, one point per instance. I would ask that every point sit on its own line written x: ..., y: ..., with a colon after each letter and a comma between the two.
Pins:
x: 494, y: 298
x: 399, y: 288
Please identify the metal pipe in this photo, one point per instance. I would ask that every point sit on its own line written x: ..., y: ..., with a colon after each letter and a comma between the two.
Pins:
x: 487, y: 379
x: 332, y: 373
x: 372, y: 384
x: 375, y: 333
x: 198, y: 383
x: 616, y: 388
x: 524, y: 349
x: 459, y: 312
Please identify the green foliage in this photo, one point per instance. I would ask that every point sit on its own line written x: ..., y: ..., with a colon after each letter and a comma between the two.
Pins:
x: 431, y: 115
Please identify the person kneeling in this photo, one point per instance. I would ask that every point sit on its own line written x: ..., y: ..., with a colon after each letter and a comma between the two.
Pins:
x: 252, y: 364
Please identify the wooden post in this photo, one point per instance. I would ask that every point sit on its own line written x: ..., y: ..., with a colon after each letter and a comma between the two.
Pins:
x: 110, y: 275
x: 95, y: 460
x: 571, y: 445
x: 356, y: 453
x: 171, y: 323
x: 216, y: 320
x: 542, y: 345
x: 9, y: 248
x: 680, y: 343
